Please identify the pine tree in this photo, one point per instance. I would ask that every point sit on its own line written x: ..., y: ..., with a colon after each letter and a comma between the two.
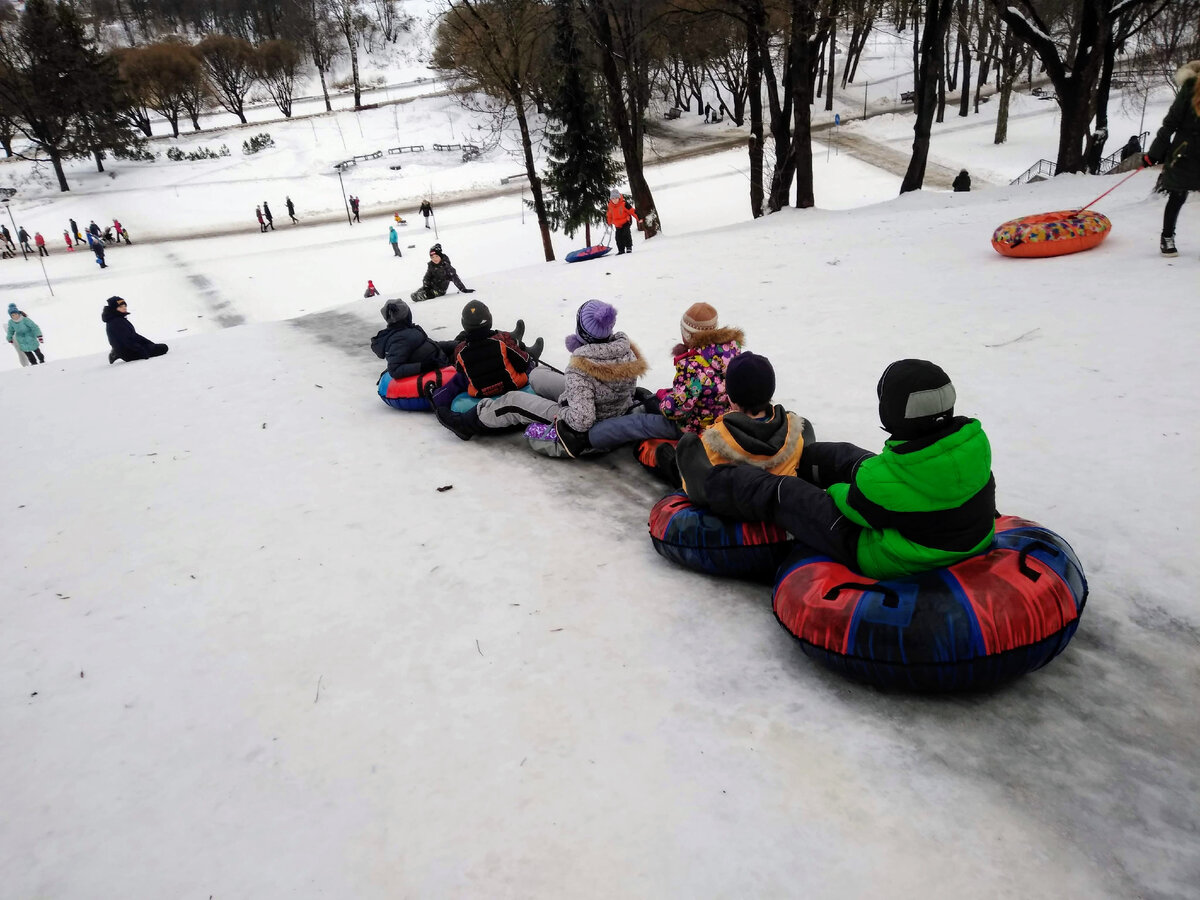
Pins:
x: 580, y: 169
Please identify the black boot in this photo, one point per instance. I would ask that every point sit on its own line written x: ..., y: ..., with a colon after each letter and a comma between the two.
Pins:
x: 575, y: 443
x: 1167, y: 245
x: 519, y: 331
x: 536, y: 348
x: 465, y: 425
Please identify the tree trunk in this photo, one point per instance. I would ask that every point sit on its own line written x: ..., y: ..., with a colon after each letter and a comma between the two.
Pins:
x: 324, y: 89
x: 99, y: 155
x: 354, y: 72
x: 174, y: 120
x: 937, y: 17
x: 832, y: 53
x: 943, y: 61
x: 6, y: 143
x: 964, y: 49
x: 535, y: 182
x: 754, y: 77
x: 1006, y: 87
x: 56, y: 162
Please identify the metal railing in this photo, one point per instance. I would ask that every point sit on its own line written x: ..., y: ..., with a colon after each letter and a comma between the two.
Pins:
x: 1039, y: 171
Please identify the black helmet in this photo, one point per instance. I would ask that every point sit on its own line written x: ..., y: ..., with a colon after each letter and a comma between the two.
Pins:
x: 476, y: 316
x: 915, y: 398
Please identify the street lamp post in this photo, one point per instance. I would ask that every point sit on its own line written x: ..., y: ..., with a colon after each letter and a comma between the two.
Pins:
x: 345, y: 202
x: 5, y: 200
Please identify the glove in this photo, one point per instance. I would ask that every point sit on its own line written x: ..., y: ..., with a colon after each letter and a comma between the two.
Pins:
x: 41, y: 340
x: 468, y: 290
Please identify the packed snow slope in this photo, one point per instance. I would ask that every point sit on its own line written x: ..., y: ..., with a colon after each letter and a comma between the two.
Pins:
x: 248, y: 648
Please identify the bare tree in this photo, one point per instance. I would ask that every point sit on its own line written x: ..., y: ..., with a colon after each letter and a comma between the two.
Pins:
x: 352, y: 24
x: 232, y: 66
x: 278, y: 64
x: 929, y: 62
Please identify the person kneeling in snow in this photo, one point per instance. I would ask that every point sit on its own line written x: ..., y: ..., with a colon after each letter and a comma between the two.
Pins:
x: 598, y: 383
x: 927, y: 500
x: 406, y: 347
x: 438, y: 275
x: 755, y: 431
x: 126, y: 343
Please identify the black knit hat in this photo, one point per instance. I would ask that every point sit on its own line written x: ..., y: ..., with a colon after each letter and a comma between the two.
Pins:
x: 436, y: 248
x: 915, y: 398
x: 476, y: 316
x: 750, y: 381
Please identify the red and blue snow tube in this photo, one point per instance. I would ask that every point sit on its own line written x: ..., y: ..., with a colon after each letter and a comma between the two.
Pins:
x: 976, y: 624
x: 407, y: 393
x: 705, y: 542
x: 594, y: 252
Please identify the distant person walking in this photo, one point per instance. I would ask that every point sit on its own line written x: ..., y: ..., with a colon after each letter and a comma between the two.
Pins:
x: 354, y: 207
x: 262, y: 225
x: 708, y: 113
x: 394, y: 239
x: 1177, y: 146
x: 70, y: 243
x: 8, y: 238
x: 97, y: 245
x: 23, y: 237
x: 291, y: 208
x: 126, y: 343
x: 426, y: 210
x: 122, y: 234
x: 41, y: 244
x: 94, y: 229
x: 962, y: 182
x: 270, y: 218
x: 75, y: 232
x: 24, y: 333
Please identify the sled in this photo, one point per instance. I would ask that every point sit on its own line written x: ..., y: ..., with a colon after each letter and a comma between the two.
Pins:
x: 586, y: 253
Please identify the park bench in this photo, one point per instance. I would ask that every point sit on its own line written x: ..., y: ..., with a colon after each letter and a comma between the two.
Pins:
x: 673, y: 113
x: 411, y: 148
x: 345, y: 164
x: 470, y: 152
x: 447, y: 146
x: 516, y: 177
x: 376, y: 155
x: 908, y: 97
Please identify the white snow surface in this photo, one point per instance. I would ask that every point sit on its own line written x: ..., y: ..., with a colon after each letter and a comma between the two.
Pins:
x: 249, y: 649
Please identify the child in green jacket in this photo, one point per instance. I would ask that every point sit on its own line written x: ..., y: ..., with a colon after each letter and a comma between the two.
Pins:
x: 927, y: 500
x: 25, y: 334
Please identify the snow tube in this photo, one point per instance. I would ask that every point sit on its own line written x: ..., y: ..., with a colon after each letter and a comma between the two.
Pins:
x: 657, y: 456
x: 1051, y: 234
x: 406, y: 393
x: 705, y: 542
x: 587, y: 253
x: 972, y: 625
x: 543, y: 439
x: 464, y: 401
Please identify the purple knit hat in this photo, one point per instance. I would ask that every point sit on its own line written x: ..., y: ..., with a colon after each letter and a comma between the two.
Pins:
x: 593, y: 324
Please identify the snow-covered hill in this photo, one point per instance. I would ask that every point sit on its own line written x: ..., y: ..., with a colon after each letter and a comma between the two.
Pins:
x: 249, y: 649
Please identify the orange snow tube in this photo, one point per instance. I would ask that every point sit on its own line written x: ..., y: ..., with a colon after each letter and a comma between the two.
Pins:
x: 1051, y: 234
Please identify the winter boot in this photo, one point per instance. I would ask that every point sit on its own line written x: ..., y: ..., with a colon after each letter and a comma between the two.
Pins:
x: 1167, y: 245
x: 519, y: 331
x: 574, y: 443
x: 535, y: 349
x: 465, y: 425
x: 112, y: 357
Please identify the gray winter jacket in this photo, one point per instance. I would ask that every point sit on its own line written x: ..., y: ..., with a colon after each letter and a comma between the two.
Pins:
x: 600, y: 381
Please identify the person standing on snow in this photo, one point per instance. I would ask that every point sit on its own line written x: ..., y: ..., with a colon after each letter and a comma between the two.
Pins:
x: 1177, y: 146
x: 426, y: 210
x: 75, y: 232
x: 262, y: 225
x: 94, y: 229
x: 70, y: 244
x: 8, y: 238
x: 620, y: 217
x: 394, y: 240
x: 122, y: 234
x: 97, y: 245
x: 354, y: 207
x: 23, y: 237
x: 41, y: 244
x: 270, y: 218
x: 24, y: 333
x: 291, y: 208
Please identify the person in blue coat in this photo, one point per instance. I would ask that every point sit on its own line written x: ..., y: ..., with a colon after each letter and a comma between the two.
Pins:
x: 394, y: 240
x: 126, y: 343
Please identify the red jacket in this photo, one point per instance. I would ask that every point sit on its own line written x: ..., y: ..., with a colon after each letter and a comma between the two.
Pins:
x: 620, y: 212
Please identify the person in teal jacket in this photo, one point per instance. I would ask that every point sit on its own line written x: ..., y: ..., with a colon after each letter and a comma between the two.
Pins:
x: 394, y: 239
x: 927, y: 500
x: 24, y: 332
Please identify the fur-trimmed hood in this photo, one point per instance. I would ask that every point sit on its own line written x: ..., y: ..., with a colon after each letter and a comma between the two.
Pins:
x: 714, y: 337
x: 1187, y: 71
x: 766, y: 443
x: 617, y: 359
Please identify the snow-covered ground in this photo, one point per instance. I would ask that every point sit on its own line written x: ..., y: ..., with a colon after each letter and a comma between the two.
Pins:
x: 249, y: 649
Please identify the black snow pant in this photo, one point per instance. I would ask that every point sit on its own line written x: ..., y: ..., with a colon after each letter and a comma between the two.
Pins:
x: 1175, y: 201
x: 624, y: 239
x: 396, y: 249
x: 798, y: 504
x: 34, y: 356
x: 42, y: 251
